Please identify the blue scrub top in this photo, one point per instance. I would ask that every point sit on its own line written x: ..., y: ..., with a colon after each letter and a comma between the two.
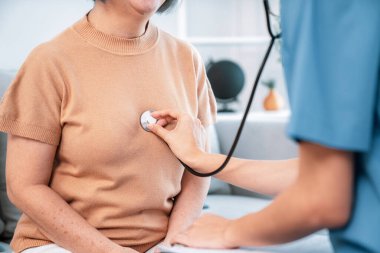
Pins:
x: 331, y: 56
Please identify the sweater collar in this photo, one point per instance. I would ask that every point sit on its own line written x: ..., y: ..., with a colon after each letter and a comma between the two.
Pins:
x: 114, y: 44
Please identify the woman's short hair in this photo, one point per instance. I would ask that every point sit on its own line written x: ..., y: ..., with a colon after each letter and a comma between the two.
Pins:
x: 168, y: 4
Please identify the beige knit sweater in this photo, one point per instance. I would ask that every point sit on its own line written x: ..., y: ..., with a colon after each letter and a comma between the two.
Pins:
x: 84, y: 91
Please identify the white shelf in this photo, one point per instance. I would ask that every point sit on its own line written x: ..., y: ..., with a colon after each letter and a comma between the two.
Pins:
x: 262, y: 116
x: 228, y: 40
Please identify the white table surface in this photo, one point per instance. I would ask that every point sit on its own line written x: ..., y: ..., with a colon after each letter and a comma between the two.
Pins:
x: 300, y: 246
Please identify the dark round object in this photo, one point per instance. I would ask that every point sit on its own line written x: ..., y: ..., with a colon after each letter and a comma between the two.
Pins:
x: 226, y: 78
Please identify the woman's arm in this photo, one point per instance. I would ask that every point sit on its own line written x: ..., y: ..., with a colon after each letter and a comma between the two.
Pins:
x: 29, y: 167
x: 188, y: 204
x: 185, y: 140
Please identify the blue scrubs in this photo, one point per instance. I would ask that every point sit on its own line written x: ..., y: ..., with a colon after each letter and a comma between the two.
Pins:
x: 331, y: 55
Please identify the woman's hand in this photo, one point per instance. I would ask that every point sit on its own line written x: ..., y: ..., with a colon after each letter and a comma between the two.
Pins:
x: 207, y: 232
x: 188, y: 137
x: 120, y: 249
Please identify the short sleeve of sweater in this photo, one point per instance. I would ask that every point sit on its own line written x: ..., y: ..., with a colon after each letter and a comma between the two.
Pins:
x: 206, y: 100
x: 31, y: 106
x: 332, y: 76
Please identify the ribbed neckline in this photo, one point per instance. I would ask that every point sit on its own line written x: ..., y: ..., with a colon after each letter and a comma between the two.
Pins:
x: 114, y: 44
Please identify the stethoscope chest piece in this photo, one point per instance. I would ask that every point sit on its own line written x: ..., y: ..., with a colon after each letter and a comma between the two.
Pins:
x: 146, y: 119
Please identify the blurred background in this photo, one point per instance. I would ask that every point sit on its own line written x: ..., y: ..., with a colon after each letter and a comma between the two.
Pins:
x: 232, y: 30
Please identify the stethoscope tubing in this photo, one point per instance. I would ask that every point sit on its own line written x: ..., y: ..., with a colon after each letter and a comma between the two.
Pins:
x: 249, y: 104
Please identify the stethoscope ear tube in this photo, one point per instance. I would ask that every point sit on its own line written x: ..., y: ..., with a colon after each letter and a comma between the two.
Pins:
x: 249, y: 104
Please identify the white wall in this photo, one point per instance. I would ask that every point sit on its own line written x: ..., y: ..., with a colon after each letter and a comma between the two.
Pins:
x: 26, y: 23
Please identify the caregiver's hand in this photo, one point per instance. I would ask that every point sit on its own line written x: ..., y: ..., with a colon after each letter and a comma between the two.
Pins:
x: 207, y: 232
x: 187, y: 139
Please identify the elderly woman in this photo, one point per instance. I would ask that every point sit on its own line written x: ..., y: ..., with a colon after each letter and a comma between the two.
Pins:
x: 86, y: 176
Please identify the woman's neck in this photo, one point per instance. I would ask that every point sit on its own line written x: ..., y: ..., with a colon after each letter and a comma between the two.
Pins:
x: 126, y: 24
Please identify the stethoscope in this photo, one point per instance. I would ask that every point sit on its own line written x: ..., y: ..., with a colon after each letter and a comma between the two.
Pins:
x: 147, y: 119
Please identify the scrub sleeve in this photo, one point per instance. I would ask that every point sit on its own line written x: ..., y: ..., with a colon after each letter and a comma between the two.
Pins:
x: 331, y: 55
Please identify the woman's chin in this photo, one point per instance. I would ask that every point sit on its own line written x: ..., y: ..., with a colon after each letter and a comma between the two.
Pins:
x: 147, y: 7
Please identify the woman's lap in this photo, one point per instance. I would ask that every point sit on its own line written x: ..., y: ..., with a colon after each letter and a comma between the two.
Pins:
x: 50, y: 248
x: 54, y: 248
